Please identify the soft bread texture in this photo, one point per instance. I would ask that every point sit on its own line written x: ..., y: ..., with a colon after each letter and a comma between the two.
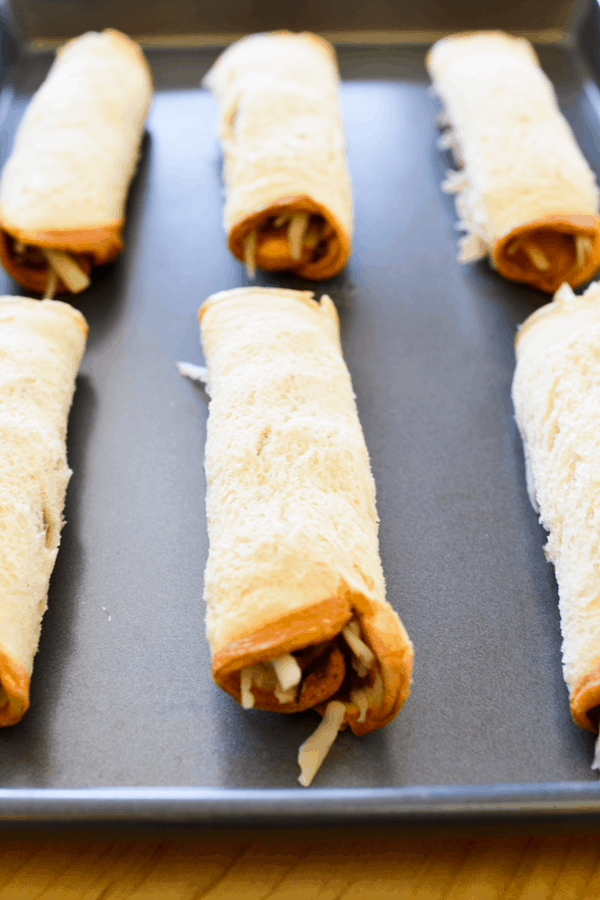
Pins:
x: 291, y: 505
x: 525, y: 185
x: 41, y: 345
x: 284, y: 148
x: 65, y: 183
x: 556, y: 395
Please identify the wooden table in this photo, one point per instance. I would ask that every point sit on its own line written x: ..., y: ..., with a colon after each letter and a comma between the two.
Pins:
x: 520, y: 867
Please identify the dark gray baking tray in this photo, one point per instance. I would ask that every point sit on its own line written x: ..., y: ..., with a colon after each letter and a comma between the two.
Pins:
x: 125, y: 723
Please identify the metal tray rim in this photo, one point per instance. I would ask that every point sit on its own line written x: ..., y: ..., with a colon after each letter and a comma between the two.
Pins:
x: 201, y: 807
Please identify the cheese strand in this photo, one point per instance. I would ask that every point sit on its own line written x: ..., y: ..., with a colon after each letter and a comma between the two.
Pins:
x: 67, y: 269
x: 314, y: 750
x: 296, y: 231
x: 51, y: 285
x: 287, y: 670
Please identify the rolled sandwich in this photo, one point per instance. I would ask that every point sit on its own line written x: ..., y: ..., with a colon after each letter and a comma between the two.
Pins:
x: 64, y: 187
x: 41, y: 345
x: 526, y: 197
x: 297, y: 616
x: 288, y: 194
x: 556, y: 394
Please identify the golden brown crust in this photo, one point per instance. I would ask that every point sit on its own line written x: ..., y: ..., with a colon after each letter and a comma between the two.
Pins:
x: 15, y: 681
x: 585, y: 697
x: 90, y: 247
x: 338, y: 242
x: 394, y: 654
x: 547, y: 235
x: 319, y: 622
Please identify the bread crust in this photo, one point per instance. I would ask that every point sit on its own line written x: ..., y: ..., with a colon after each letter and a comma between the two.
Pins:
x: 283, y: 144
x: 320, y: 622
x: 510, y: 140
x: 268, y: 596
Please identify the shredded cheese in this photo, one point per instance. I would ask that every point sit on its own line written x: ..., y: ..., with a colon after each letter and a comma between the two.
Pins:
x: 314, y: 750
x: 455, y: 182
x: 246, y: 688
x: 196, y: 373
x: 447, y: 141
x: 285, y: 696
x: 374, y: 693
x: 67, y: 269
x: 583, y: 246
x: 296, y: 229
x: 51, y: 285
x: 250, y: 254
x: 287, y: 670
x: 359, y: 697
x: 280, y: 221
x: 359, y: 667
x: 358, y: 647
x: 537, y: 258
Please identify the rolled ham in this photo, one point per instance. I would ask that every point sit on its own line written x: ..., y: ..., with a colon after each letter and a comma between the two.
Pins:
x: 41, y: 345
x: 64, y: 187
x: 288, y: 193
x: 525, y: 195
x: 293, y: 572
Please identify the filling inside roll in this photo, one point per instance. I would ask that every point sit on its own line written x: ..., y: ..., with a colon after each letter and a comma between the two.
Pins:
x: 339, y: 677
x: 548, y: 253
x: 343, y: 668
x: 290, y: 236
x: 327, y: 658
x: 59, y: 263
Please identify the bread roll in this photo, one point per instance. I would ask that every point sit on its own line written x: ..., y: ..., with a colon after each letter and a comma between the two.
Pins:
x: 526, y: 196
x: 288, y: 195
x: 65, y: 184
x: 293, y: 567
x: 41, y: 345
x: 556, y: 394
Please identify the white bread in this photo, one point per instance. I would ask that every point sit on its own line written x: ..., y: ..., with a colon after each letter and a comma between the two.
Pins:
x: 525, y: 184
x: 41, y: 345
x: 291, y: 505
x: 283, y: 142
x: 65, y: 183
x: 556, y: 395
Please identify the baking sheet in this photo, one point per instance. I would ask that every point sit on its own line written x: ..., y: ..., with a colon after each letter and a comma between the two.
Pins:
x: 122, y: 695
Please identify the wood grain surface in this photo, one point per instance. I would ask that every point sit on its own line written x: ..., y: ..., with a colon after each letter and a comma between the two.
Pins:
x: 546, y: 867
